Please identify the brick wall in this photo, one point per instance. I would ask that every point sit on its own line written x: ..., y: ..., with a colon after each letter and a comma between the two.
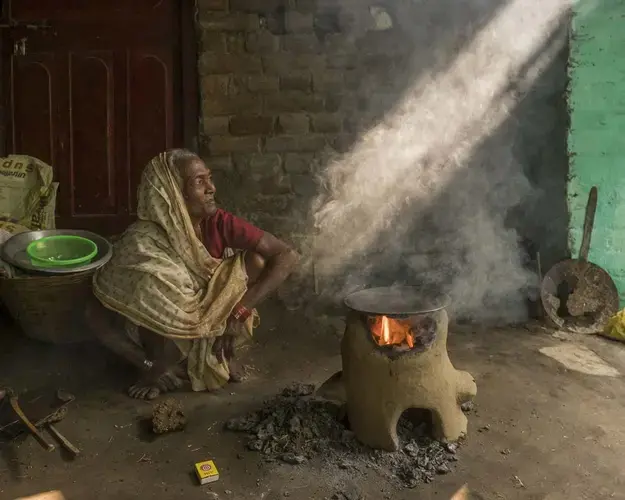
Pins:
x: 596, y: 146
x: 288, y: 84
x: 280, y: 82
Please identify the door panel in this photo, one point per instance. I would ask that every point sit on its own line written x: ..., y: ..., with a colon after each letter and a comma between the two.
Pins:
x: 91, y: 121
x: 150, y: 120
x: 82, y: 10
x: 97, y: 95
x: 31, y: 106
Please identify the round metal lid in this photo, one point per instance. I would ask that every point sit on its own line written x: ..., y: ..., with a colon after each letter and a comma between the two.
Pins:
x: 14, y: 251
x: 397, y: 300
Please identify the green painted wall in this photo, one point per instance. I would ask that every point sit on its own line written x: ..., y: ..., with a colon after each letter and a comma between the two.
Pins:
x: 596, y: 139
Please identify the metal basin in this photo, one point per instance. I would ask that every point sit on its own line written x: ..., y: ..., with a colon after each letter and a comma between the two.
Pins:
x: 14, y: 251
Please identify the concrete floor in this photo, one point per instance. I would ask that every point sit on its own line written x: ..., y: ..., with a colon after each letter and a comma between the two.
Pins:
x: 551, y: 433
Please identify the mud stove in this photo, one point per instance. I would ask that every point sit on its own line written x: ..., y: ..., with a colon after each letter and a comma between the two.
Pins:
x: 394, y: 354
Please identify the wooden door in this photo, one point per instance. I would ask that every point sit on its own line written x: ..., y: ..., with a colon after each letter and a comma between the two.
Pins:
x: 96, y: 95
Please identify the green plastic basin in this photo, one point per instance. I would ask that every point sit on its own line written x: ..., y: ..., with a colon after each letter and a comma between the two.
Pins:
x: 61, y: 251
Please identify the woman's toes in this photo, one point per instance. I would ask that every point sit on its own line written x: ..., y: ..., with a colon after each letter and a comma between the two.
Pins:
x: 142, y: 392
x: 152, y: 393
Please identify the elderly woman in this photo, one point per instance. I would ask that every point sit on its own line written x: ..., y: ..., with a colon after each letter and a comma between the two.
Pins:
x: 181, y: 288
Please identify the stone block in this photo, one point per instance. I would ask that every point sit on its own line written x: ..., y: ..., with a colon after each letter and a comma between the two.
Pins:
x: 304, y: 6
x: 293, y: 123
x: 220, y: 106
x: 221, y: 64
x: 262, y: 83
x: 251, y: 125
x: 235, y: 42
x: 327, y: 20
x: 296, y: 81
x: 274, y: 22
x: 262, y: 42
x: 384, y: 44
x: 237, y: 85
x: 333, y: 101
x: 328, y: 80
x: 339, y: 44
x: 215, y: 125
x: 287, y: 143
x: 304, y: 185
x: 214, y: 84
x: 252, y: 84
x: 342, y: 61
x: 228, y: 21
x: 353, y: 122
x: 301, y: 43
x: 298, y: 22
x: 322, y: 159
x: 219, y: 163
x: 212, y: 41
x: 224, y: 144
x: 274, y: 197
x: 284, y: 64
x: 276, y: 185
x: 293, y: 102
x: 258, y: 164
x: 298, y: 163
x: 342, y: 143
x: 352, y: 79
x: 327, y: 122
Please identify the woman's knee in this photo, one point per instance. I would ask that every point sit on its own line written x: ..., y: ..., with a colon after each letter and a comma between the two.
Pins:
x: 254, y: 265
x: 98, y: 318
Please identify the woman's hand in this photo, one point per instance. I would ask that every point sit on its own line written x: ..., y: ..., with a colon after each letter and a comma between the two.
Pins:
x: 224, y: 345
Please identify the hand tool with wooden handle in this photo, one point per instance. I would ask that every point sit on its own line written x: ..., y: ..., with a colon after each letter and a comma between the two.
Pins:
x: 33, y: 430
x: 63, y: 440
x: 49, y: 422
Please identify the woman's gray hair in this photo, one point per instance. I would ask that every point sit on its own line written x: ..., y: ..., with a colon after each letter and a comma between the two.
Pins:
x: 180, y: 158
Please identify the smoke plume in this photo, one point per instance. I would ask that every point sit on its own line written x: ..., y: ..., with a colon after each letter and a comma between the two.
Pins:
x: 424, y: 195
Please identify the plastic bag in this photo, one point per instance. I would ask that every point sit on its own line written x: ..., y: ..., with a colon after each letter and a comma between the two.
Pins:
x: 7, y: 229
x: 27, y: 193
x: 615, y: 329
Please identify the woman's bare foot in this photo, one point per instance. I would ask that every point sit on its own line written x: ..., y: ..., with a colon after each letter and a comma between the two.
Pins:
x: 150, y: 387
x: 238, y: 372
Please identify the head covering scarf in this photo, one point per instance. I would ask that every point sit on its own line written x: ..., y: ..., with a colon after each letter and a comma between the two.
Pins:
x: 161, y: 276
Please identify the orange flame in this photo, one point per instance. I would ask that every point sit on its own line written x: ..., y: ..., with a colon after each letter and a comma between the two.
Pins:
x: 389, y: 331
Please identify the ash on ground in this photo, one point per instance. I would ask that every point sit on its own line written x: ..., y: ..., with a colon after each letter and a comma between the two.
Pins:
x: 294, y: 427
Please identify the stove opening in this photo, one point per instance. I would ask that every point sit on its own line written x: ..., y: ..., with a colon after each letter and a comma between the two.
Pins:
x: 402, y: 332
x: 414, y: 423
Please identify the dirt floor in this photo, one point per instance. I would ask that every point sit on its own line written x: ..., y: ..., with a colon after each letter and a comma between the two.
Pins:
x: 539, y: 431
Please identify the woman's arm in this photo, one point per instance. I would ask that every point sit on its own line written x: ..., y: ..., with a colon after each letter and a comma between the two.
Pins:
x: 279, y: 262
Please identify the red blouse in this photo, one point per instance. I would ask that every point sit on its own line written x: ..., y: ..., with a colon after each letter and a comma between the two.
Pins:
x: 225, y: 230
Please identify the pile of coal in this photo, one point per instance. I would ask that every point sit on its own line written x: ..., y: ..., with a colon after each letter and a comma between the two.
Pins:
x: 294, y: 427
x: 291, y: 427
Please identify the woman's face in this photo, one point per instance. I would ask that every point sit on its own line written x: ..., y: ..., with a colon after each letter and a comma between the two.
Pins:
x: 199, y: 190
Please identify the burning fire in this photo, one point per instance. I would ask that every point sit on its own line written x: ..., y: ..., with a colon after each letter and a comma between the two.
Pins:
x: 389, y: 331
